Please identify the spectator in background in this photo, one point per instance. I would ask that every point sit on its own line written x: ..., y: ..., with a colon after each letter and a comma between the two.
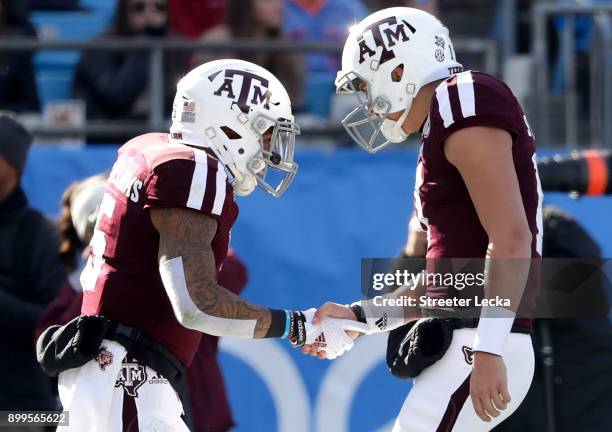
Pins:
x: 257, y: 20
x: 54, y: 5
x: 210, y: 410
x: 430, y: 6
x: 322, y: 20
x: 80, y: 204
x: 191, y: 18
x: 31, y: 274
x: 17, y: 84
x: 114, y: 84
x: 583, y: 40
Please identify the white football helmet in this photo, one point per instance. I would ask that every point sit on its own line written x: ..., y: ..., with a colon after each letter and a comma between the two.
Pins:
x: 228, y: 106
x: 383, y: 41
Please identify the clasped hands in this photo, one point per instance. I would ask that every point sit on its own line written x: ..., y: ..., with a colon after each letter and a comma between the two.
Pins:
x: 331, y: 330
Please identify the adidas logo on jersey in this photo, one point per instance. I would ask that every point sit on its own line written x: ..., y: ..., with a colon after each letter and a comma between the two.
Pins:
x: 158, y: 379
x: 381, y: 323
x: 320, y: 342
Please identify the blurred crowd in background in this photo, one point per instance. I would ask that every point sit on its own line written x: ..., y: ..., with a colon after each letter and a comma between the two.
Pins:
x: 114, y: 85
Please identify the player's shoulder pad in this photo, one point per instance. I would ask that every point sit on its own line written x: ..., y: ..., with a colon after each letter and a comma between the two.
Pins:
x: 468, y: 96
x: 182, y: 176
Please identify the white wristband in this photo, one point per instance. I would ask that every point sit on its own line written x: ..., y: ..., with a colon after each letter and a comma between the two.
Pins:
x: 494, y: 327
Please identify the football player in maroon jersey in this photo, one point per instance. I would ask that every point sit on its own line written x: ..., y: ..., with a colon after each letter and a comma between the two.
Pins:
x: 477, y: 194
x: 161, y: 235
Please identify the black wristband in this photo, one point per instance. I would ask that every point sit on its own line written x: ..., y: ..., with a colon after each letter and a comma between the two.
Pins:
x: 297, y: 335
x: 278, y: 324
x: 359, y: 313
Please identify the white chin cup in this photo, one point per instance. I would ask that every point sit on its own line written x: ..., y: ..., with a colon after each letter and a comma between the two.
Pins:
x: 393, y: 131
x: 245, y: 185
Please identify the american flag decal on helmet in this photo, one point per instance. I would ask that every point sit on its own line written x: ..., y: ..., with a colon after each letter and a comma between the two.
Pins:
x: 188, y: 111
x: 189, y: 106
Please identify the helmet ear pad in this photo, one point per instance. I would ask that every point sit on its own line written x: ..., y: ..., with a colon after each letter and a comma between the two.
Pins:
x: 394, y: 83
x: 234, y: 150
x: 233, y: 139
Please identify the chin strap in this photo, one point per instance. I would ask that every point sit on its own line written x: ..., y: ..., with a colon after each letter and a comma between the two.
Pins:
x: 393, y: 130
x: 245, y: 185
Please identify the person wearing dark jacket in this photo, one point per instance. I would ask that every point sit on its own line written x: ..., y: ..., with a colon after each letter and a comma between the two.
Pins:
x: 17, y: 84
x: 30, y: 277
x: 115, y: 84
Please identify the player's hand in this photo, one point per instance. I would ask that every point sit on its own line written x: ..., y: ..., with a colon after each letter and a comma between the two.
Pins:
x: 333, y: 310
x: 489, y: 385
x: 343, y: 319
x: 326, y: 337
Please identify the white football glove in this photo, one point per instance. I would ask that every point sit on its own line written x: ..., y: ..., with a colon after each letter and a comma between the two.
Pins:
x: 330, y: 335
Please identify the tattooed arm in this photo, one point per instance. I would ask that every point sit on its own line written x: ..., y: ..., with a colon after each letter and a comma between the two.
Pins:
x: 188, y: 270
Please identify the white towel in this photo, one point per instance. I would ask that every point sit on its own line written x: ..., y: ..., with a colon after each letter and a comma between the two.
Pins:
x: 93, y: 394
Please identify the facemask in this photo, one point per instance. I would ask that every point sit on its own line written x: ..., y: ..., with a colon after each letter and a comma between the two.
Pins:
x: 393, y: 131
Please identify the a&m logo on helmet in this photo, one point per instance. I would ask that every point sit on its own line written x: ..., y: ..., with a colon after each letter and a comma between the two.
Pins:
x: 386, y: 33
x: 253, y: 89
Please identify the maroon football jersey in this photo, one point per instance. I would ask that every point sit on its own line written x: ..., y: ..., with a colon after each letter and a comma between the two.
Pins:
x: 442, y: 200
x: 121, y: 280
